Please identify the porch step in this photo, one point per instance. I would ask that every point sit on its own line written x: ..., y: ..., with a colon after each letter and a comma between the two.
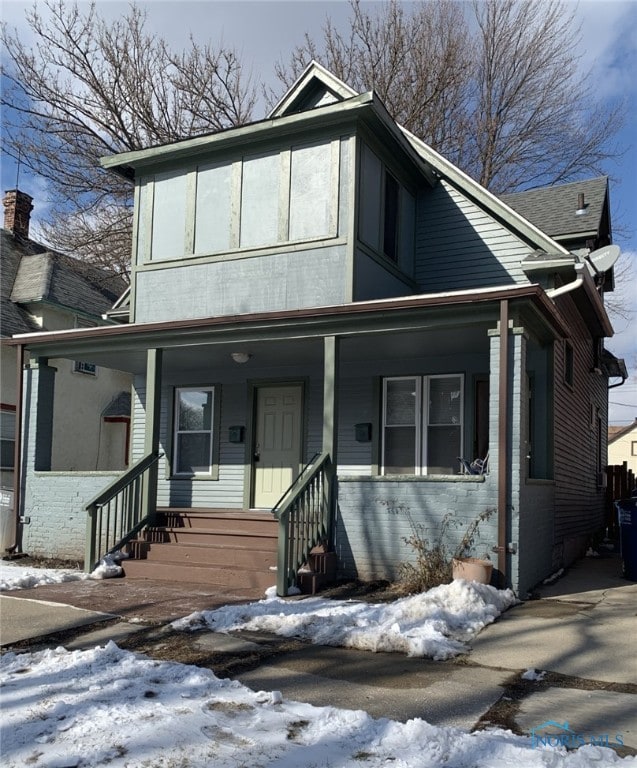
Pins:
x: 225, y: 548
x: 219, y: 521
x: 210, y: 554
x: 238, y: 578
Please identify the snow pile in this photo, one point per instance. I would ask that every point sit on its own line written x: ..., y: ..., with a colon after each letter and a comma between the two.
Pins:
x: 18, y: 577
x: 533, y: 674
x: 438, y: 623
x: 107, y: 568
x: 109, y: 707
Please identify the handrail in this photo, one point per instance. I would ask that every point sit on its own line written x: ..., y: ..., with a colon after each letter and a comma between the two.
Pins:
x: 295, y: 482
x: 304, y: 513
x: 116, y: 514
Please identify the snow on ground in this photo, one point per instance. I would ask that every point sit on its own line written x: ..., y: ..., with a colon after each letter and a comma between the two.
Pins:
x: 437, y: 623
x: 110, y: 707
x: 14, y: 576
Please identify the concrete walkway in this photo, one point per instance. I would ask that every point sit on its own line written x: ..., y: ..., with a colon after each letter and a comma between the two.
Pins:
x: 580, y: 632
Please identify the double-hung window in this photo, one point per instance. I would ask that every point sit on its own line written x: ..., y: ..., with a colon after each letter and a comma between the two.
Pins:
x: 194, y: 430
x: 422, y: 424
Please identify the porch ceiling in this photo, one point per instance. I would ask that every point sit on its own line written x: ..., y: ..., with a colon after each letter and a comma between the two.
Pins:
x: 180, y: 361
x: 404, y: 327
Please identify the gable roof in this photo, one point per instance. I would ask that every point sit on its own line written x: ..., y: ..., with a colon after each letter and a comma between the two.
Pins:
x: 315, y: 87
x: 614, y: 433
x: 13, y: 318
x: 31, y: 273
x: 555, y: 208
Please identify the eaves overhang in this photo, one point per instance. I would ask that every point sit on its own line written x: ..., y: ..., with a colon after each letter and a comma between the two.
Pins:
x: 599, y: 322
x: 365, y: 108
x: 483, y: 197
x: 347, y: 320
x: 126, y: 163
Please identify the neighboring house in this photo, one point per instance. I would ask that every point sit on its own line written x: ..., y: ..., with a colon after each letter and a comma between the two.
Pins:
x: 323, y: 288
x: 42, y: 290
x: 622, y: 446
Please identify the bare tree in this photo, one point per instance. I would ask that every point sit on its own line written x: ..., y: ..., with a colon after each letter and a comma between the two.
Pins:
x: 90, y: 87
x: 535, y: 120
x: 418, y: 62
x: 499, y: 94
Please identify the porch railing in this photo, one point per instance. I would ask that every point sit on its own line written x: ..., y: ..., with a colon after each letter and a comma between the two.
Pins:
x: 304, y: 514
x: 117, y: 514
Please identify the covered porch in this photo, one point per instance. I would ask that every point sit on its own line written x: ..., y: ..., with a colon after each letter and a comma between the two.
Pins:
x: 294, y: 414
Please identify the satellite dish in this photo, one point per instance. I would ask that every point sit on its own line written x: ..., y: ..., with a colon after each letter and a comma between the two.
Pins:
x: 602, y: 259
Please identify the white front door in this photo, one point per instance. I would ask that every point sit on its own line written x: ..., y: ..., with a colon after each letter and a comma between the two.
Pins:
x: 277, y: 452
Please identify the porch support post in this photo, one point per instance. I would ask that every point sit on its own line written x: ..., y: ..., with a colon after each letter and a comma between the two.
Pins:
x: 330, y: 417
x: 17, y: 449
x: 503, y: 442
x: 151, y: 434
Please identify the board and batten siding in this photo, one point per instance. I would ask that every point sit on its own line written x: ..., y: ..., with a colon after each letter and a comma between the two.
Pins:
x: 250, y: 233
x: 458, y: 245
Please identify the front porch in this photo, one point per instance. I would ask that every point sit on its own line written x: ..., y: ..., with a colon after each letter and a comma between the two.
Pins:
x: 337, y: 364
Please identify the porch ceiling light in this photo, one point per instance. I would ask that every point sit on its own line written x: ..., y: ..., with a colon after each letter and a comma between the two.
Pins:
x: 240, y: 357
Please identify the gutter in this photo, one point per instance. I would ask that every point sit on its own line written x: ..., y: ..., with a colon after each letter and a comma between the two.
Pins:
x: 156, y: 331
x: 584, y: 280
x: 572, y: 286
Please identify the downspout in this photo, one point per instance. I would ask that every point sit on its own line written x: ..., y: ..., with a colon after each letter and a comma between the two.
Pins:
x: 17, y: 445
x: 503, y: 456
x: 572, y: 286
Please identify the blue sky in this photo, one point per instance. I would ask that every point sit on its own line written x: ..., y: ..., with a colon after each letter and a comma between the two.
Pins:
x: 265, y: 31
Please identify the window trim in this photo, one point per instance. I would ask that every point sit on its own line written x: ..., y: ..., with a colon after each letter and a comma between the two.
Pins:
x: 569, y: 364
x: 214, y: 432
x: 391, y: 217
x: 88, y: 369
x: 422, y: 383
x: 9, y: 413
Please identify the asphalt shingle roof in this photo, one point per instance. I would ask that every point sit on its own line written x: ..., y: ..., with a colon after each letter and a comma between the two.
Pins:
x: 553, y: 209
x: 29, y: 273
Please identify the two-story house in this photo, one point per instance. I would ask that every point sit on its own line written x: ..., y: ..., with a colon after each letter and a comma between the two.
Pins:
x: 325, y: 317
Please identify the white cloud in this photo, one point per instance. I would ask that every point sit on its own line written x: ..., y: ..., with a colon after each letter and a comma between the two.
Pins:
x: 609, y: 44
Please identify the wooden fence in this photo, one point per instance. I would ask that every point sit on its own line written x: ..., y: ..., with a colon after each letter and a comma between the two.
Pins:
x: 620, y: 484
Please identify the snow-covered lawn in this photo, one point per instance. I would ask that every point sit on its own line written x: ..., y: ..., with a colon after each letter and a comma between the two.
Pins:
x: 110, y: 707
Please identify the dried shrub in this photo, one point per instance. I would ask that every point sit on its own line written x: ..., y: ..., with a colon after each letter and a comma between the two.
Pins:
x: 431, y: 565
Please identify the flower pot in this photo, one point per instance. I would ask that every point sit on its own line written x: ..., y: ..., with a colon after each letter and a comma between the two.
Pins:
x: 472, y: 569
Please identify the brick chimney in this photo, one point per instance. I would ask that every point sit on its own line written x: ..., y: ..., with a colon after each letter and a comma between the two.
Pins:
x: 17, y: 212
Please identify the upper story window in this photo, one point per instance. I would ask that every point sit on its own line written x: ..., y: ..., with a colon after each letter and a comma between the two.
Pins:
x: 256, y: 201
x: 386, y: 218
x: 81, y: 367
